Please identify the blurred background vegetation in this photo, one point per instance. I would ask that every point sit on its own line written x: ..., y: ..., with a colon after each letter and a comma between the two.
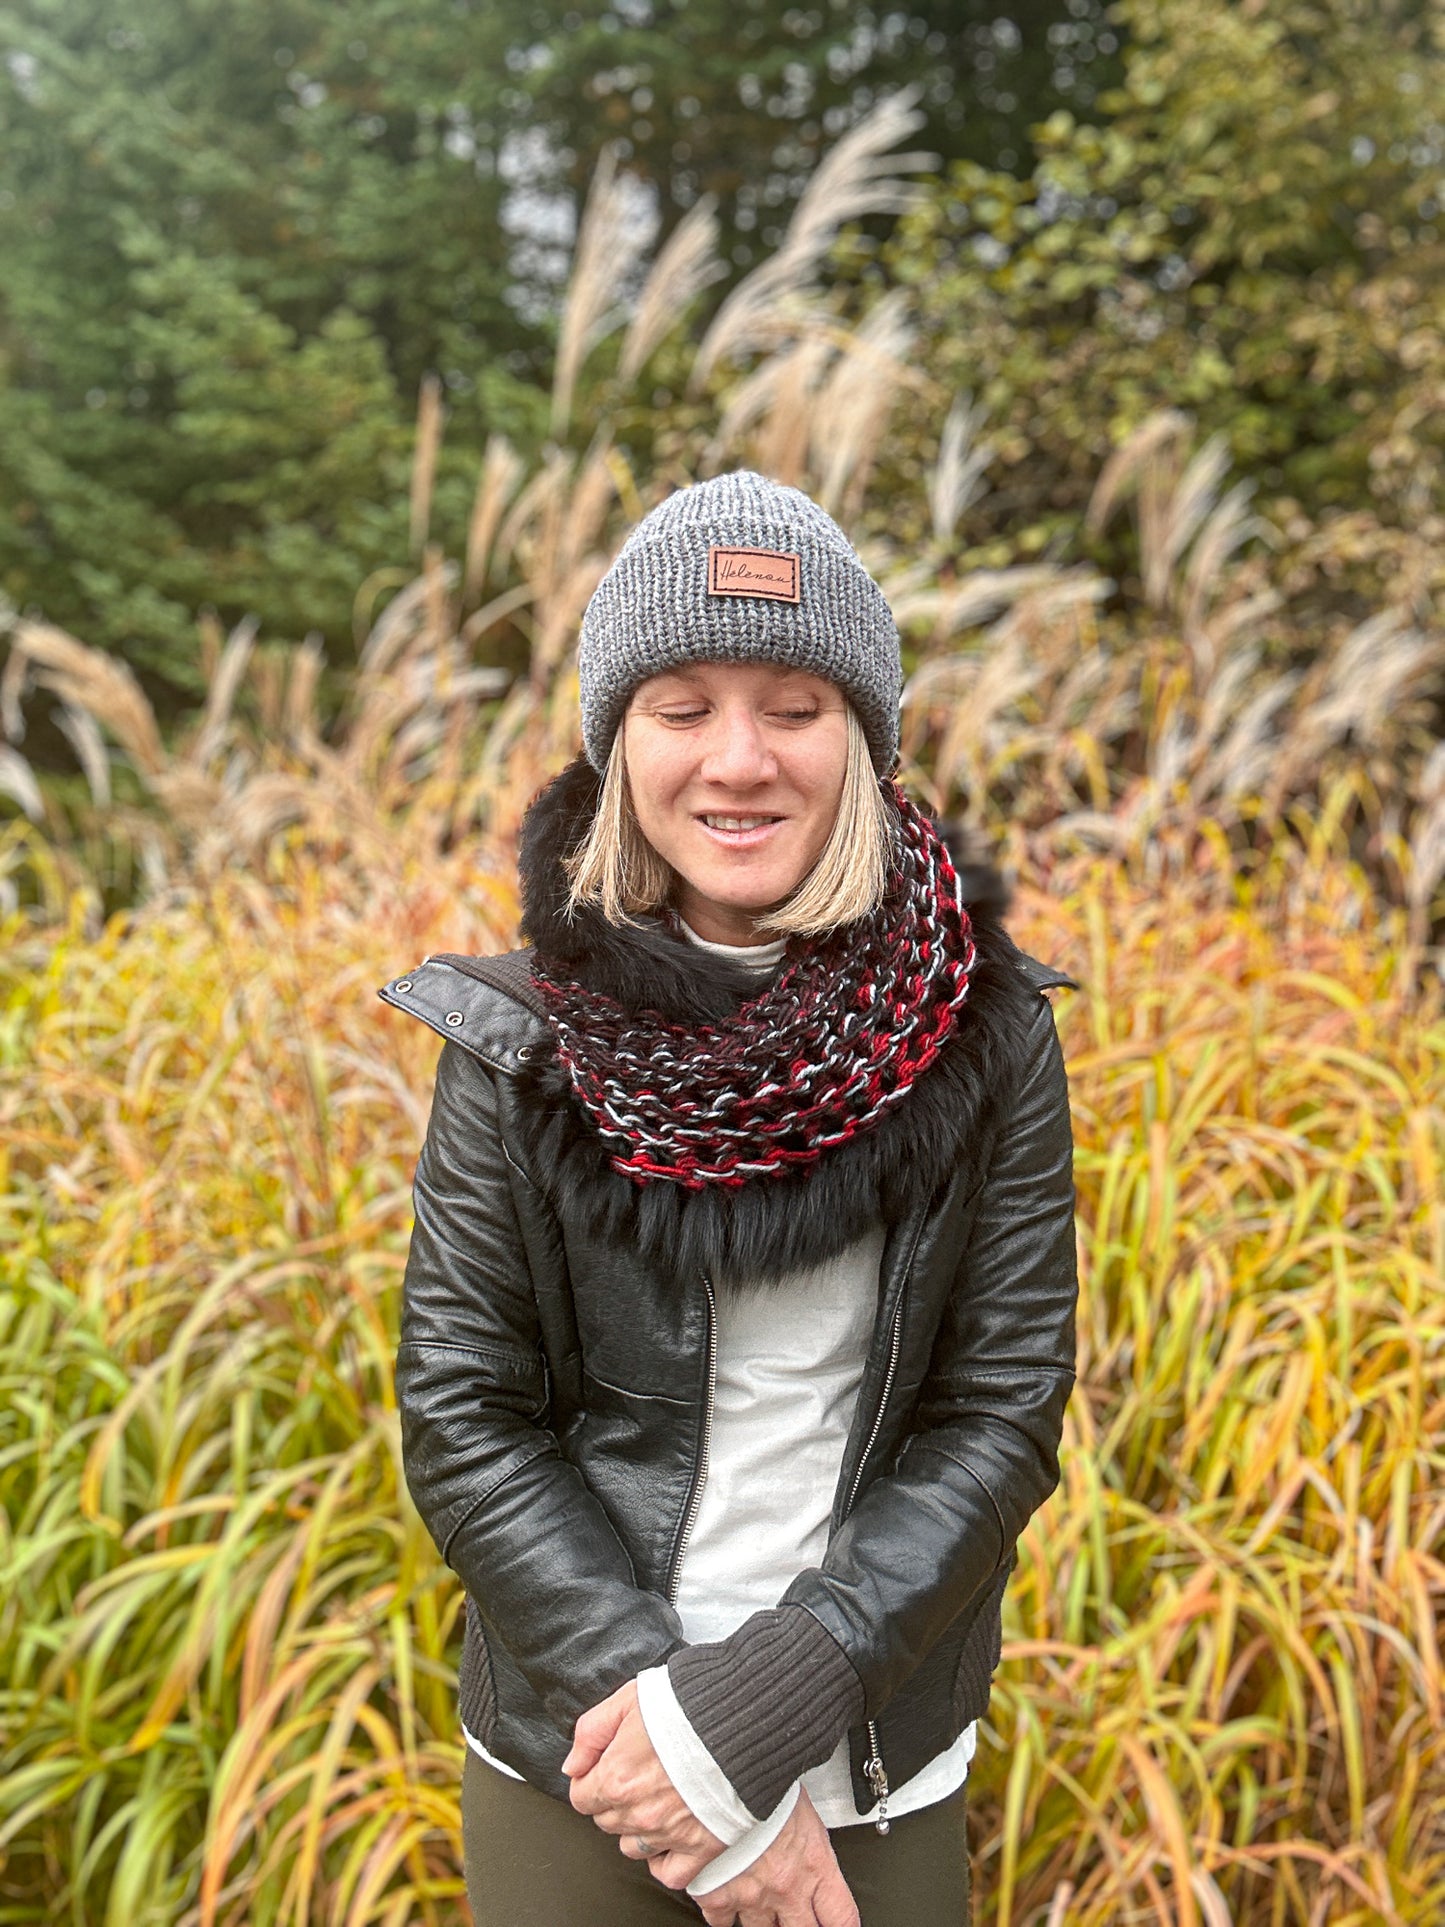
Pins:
x: 338, y: 352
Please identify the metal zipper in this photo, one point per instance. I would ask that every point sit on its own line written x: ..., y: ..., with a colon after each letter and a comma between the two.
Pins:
x: 699, y: 1477
x: 877, y: 1778
x: 895, y: 1339
x: 874, y: 1770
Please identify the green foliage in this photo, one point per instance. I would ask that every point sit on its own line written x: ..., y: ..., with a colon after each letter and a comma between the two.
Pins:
x: 1248, y: 229
x: 234, y: 243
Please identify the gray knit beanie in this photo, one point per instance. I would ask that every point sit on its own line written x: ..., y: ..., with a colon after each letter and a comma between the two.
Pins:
x: 739, y: 569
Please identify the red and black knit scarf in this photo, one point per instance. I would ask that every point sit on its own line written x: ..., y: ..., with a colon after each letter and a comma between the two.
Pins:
x: 840, y: 1036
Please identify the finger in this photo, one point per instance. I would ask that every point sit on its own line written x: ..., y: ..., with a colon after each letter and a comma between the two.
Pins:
x: 587, y: 1796
x: 602, y: 1787
x: 794, y: 1910
x: 594, y: 1733
x: 590, y: 1793
x: 612, y: 1821
x: 718, y: 1913
x: 673, y: 1870
x: 642, y: 1845
x: 833, y: 1903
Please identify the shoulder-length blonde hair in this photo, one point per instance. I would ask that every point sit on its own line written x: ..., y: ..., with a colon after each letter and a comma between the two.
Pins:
x: 618, y: 870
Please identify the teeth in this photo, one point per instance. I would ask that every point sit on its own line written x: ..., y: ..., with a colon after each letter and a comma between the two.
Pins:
x: 737, y: 822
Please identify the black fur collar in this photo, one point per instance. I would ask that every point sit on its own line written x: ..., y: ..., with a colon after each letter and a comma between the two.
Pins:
x: 768, y: 1226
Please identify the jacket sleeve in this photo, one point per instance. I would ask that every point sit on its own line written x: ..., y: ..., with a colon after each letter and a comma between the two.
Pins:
x: 511, y: 1516
x: 927, y: 1536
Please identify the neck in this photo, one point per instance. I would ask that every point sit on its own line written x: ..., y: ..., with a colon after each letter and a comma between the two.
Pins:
x: 721, y: 922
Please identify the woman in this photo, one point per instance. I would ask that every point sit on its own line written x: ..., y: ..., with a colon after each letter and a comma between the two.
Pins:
x: 738, y: 1318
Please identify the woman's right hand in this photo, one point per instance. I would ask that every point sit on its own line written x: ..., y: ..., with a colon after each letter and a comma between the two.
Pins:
x: 796, y: 1883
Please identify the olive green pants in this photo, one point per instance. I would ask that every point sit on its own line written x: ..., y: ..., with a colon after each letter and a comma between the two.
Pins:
x: 531, y: 1861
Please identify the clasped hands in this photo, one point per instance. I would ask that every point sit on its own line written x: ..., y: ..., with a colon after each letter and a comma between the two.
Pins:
x: 618, y: 1779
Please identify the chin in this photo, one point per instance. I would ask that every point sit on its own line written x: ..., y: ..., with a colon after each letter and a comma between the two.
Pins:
x: 750, y: 896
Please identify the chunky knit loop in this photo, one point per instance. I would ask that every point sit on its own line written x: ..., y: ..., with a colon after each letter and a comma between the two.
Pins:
x: 822, y: 1054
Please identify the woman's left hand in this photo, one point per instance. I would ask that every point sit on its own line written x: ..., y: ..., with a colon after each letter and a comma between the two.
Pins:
x: 617, y: 1778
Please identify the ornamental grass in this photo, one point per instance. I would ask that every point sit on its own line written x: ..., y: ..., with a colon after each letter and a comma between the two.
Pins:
x: 227, y: 1646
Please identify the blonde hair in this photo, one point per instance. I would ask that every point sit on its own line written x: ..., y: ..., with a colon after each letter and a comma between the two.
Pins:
x: 617, y: 869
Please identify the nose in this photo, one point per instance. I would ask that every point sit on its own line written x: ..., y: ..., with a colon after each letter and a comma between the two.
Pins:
x: 738, y: 755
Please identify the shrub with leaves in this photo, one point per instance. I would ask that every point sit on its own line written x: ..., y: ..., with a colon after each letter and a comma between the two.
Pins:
x: 1247, y: 228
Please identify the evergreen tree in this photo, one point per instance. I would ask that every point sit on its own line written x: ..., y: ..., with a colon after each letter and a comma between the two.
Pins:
x: 234, y: 242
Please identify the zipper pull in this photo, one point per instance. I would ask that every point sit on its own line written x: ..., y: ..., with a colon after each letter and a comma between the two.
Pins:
x: 877, y: 1778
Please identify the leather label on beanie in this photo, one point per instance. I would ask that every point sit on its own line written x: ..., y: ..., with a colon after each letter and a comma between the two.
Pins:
x: 766, y: 572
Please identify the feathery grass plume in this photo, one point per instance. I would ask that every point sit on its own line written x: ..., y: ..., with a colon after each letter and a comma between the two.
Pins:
x: 555, y: 528
x: 222, y: 687
x: 687, y: 263
x: 962, y: 761
x: 778, y: 395
x: 18, y: 780
x: 502, y: 470
x: 1182, y: 511
x: 430, y: 417
x: 1234, y: 741
x: 1376, y: 679
x: 1223, y: 532
x: 531, y: 502
x: 856, y: 176
x: 956, y: 479
x: 86, y: 679
x: 82, y: 732
x: 789, y: 380
x: 1179, y: 504
x: 1149, y: 462
x: 611, y: 238
x: 967, y: 602
x: 852, y: 404
x: 300, y: 717
x: 1426, y: 845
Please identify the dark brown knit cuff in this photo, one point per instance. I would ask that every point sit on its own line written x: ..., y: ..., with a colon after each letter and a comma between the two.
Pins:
x: 768, y: 1702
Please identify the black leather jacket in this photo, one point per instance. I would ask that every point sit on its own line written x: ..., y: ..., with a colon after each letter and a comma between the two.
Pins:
x: 554, y: 1376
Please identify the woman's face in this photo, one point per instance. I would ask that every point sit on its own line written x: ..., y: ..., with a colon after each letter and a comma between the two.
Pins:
x: 736, y: 771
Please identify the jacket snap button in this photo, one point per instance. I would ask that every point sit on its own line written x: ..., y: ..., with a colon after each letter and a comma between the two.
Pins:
x: 454, y: 1017
x: 524, y: 1053
x: 404, y: 983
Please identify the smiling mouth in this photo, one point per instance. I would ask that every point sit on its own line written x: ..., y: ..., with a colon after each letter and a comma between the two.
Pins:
x: 716, y: 821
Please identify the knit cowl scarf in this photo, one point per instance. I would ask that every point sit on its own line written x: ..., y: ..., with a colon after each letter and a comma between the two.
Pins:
x: 819, y: 1056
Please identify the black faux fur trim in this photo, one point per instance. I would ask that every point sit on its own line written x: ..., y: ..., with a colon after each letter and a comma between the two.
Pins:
x: 766, y: 1226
